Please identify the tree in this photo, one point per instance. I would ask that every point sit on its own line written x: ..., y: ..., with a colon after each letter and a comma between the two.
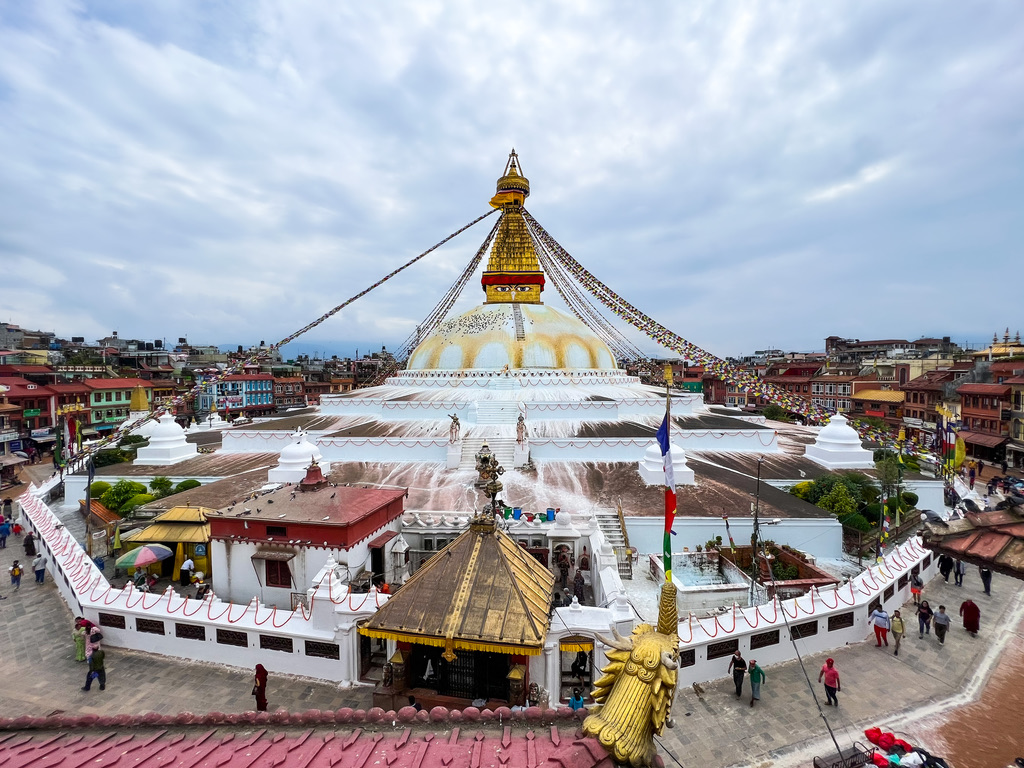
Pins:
x: 839, y: 501
x: 121, y: 492
x: 775, y: 413
x: 888, y: 473
x: 161, y: 486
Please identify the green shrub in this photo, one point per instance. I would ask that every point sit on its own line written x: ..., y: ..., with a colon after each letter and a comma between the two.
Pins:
x: 98, y: 488
x: 185, y: 485
x: 872, y: 513
x: 910, y: 499
x: 160, y: 486
x: 136, y: 501
x: 857, y: 522
x: 800, y: 490
x: 109, y: 457
x: 121, y: 492
x: 132, y: 440
x: 776, y: 413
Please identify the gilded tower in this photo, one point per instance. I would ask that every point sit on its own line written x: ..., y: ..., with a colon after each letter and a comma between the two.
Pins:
x: 513, y: 273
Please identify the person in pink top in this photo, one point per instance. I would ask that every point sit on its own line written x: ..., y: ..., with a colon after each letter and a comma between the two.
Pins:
x: 830, y: 675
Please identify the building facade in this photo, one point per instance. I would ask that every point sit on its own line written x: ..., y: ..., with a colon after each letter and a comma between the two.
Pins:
x: 985, y: 419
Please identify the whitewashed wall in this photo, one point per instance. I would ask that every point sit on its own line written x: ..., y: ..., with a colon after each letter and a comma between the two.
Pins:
x: 758, y: 441
x: 330, y: 620
x: 821, y: 537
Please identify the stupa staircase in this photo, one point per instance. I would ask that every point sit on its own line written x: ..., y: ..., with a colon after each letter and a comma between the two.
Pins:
x: 502, y: 447
x: 494, y: 412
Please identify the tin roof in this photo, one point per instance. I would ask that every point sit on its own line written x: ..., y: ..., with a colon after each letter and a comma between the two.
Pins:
x: 880, y: 395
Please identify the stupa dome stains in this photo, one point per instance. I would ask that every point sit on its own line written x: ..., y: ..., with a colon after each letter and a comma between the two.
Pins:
x: 520, y: 336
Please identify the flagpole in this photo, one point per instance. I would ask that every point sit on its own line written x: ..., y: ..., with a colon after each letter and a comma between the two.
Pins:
x: 670, y: 500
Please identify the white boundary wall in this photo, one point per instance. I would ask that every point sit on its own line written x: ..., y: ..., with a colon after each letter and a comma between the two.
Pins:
x: 817, y: 536
x: 212, y: 630
x: 821, y: 620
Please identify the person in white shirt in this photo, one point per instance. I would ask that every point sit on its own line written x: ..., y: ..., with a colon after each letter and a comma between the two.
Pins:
x: 186, y: 572
x: 881, y: 621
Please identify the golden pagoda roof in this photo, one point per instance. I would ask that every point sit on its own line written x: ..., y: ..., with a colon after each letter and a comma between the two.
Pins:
x: 186, y: 524
x: 483, y: 592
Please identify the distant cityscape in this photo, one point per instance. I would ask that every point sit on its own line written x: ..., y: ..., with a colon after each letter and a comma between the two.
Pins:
x: 910, y: 385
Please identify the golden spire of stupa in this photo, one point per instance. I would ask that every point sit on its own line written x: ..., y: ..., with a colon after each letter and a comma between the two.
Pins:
x: 139, y: 401
x: 513, y: 272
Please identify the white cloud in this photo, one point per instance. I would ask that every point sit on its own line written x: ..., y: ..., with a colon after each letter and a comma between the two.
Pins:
x: 865, y: 177
x: 233, y: 170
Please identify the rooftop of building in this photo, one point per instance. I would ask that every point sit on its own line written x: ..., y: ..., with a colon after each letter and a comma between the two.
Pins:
x: 126, y: 383
x: 983, y: 389
x: 880, y: 395
x: 327, y: 505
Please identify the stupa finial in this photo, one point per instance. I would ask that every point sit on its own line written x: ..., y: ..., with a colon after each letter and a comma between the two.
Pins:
x: 513, y: 273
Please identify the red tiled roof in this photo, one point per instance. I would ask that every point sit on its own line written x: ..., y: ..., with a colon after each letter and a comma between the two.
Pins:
x: 998, y: 390
x: 19, y: 387
x: 100, y: 512
x: 1014, y: 380
x: 116, y: 383
x: 995, y: 539
x: 424, y: 740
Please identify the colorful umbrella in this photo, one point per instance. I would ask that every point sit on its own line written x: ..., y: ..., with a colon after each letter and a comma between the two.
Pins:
x: 144, y: 555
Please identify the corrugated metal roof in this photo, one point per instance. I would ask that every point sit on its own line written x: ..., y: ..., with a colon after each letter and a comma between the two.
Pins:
x: 880, y: 395
x: 482, y: 589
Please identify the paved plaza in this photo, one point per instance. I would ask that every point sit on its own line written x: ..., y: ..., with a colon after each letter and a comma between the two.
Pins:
x: 716, y: 729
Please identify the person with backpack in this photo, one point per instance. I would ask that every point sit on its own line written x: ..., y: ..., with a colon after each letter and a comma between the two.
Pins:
x: 96, y: 670
x: 93, y: 638
x: 16, y: 571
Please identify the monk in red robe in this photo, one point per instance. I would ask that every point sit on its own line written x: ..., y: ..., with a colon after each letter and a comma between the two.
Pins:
x: 972, y: 616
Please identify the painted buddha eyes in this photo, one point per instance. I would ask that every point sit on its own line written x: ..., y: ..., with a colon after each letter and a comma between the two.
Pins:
x: 512, y: 288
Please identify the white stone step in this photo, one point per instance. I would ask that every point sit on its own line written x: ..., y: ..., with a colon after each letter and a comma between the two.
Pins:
x: 494, y: 412
x: 502, y: 447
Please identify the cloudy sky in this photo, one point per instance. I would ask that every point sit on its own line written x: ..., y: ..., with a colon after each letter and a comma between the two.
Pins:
x: 750, y: 174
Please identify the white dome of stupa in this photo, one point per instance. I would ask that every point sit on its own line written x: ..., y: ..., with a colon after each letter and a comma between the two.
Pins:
x: 652, y: 466
x: 167, y: 444
x: 838, y: 446
x: 295, y: 459
x: 521, y: 336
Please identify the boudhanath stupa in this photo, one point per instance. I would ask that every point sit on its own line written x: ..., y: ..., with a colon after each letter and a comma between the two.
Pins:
x: 546, y: 390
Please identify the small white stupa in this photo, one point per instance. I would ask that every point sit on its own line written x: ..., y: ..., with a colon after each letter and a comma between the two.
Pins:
x: 213, y: 421
x: 652, y: 466
x: 838, y: 446
x: 167, y: 444
x: 139, y: 409
x: 295, y: 458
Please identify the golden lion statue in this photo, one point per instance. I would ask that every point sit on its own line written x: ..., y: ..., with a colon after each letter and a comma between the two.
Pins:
x: 636, y: 692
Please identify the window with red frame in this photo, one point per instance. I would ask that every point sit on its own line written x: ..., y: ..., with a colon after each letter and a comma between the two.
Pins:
x: 277, y: 574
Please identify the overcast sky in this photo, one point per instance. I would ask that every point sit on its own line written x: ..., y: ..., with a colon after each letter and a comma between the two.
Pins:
x: 749, y: 174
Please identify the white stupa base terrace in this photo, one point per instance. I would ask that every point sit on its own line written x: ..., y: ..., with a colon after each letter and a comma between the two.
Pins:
x: 838, y: 446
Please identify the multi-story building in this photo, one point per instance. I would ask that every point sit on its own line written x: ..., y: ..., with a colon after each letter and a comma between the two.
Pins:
x: 834, y: 392
x: 34, y: 403
x: 1015, y: 446
x: 289, y: 391
x: 110, y: 399
x: 249, y: 393
x: 884, y: 404
x: 923, y: 395
x: 9, y: 438
x: 985, y: 419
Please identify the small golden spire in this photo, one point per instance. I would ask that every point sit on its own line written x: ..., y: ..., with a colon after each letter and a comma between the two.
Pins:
x: 139, y: 401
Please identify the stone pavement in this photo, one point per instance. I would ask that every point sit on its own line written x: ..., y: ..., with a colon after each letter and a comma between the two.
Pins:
x: 40, y: 675
x: 719, y: 730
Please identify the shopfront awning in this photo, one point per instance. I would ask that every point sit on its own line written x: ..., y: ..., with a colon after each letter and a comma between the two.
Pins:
x: 383, y: 539
x: 272, y: 554
x: 47, y: 439
x: 575, y: 644
x: 10, y: 461
x: 979, y: 438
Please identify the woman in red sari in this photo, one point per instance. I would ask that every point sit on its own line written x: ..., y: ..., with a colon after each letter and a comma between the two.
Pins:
x: 972, y: 616
x: 259, y: 689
